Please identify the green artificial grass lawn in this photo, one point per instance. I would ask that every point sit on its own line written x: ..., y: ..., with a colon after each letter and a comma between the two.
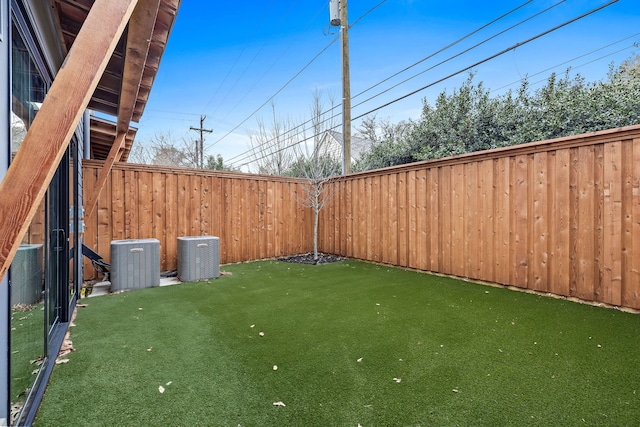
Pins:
x: 354, y: 343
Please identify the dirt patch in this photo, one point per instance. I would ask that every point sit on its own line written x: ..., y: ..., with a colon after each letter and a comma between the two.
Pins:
x: 308, y: 259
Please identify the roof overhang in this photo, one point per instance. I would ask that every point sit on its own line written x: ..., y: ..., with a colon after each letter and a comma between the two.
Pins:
x: 124, y: 88
x: 103, y: 135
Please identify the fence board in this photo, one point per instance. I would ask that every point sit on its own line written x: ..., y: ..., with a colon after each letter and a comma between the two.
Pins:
x: 501, y: 217
x: 586, y: 266
x: 422, y: 221
x: 627, y: 222
x: 458, y: 220
x: 469, y: 210
x: 538, y: 275
x: 632, y: 287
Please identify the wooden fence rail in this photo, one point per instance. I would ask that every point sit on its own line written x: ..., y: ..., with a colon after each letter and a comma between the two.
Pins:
x: 255, y: 217
x: 559, y: 216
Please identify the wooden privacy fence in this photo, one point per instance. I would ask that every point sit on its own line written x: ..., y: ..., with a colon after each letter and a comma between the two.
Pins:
x: 559, y: 216
x: 254, y: 216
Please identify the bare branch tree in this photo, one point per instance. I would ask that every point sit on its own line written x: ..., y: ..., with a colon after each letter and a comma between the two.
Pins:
x: 271, y: 147
x: 318, y: 160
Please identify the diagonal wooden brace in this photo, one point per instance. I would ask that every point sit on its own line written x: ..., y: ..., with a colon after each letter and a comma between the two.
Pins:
x: 30, y: 173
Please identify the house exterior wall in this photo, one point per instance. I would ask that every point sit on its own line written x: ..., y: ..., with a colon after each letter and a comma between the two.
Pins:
x: 5, y: 150
x: 30, y: 51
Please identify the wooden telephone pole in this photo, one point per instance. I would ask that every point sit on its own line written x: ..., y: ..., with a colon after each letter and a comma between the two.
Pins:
x: 346, y: 88
x: 200, y: 142
x: 338, y: 16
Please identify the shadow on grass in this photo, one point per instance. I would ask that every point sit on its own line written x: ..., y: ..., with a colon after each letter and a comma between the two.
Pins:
x: 346, y: 343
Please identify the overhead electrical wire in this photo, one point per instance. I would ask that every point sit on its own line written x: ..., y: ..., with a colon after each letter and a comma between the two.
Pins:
x: 403, y: 70
x: 460, y: 71
x: 224, y: 80
x: 502, y: 52
x: 292, y: 78
x: 459, y: 53
x: 252, y: 150
x: 266, y: 70
x: 575, y: 59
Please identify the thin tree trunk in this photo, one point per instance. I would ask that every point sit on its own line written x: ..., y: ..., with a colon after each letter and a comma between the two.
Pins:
x: 315, y: 234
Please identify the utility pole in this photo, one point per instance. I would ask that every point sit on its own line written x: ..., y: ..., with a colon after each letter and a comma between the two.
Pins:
x: 200, y: 142
x: 346, y: 88
x: 342, y: 19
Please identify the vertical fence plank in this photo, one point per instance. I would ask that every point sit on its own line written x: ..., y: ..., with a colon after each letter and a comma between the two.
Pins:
x: 519, y: 218
x: 445, y: 218
x: 560, y: 225
x: 487, y: 231
x: 501, y: 220
x: 401, y: 186
x: 472, y: 223
x: 422, y: 221
x: 145, y: 213
x: 393, y: 220
x: 117, y: 205
x: 538, y: 274
x: 627, y: 222
x: 171, y: 221
x: 598, y: 223
x: 632, y: 287
x: 183, y: 210
x: 433, y: 182
x: 376, y: 207
x: 586, y: 211
x: 458, y: 219
x: 158, y: 204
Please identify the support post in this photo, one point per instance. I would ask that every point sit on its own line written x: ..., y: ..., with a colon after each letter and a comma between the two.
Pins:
x: 346, y: 89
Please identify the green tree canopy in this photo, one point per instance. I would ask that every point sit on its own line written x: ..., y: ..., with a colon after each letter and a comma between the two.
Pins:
x: 470, y: 119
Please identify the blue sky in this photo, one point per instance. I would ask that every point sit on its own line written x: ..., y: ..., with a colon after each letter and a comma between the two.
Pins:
x: 225, y: 60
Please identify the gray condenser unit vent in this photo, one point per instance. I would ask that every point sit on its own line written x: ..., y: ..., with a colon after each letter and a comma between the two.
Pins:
x: 135, y: 264
x: 27, y: 275
x: 198, y: 258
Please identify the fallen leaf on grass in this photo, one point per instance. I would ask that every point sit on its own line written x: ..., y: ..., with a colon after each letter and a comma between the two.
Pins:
x: 359, y: 360
x: 169, y: 383
x: 455, y: 390
x: 81, y: 305
x: 397, y: 380
x: 161, y: 389
x: 261, y: 334
x: 275, y: 367
x: 61, y: 361
x: 253, y: 326
x: 278, y: 404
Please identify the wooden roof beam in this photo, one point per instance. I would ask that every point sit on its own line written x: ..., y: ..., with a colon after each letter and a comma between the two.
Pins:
x: 23, y: 187
x: 139, y: 36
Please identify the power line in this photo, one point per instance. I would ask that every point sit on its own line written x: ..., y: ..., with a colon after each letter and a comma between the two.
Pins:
x: 450, y: 45
x: 256, y: 28
x: 266, y: 70
x: 575, y: 59
x: 292, y: 78
x: 502, y: 52
x: 252, y: 150
x: 459, y: 53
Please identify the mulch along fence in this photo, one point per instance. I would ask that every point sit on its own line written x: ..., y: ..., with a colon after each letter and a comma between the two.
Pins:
x: 559, y: 216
